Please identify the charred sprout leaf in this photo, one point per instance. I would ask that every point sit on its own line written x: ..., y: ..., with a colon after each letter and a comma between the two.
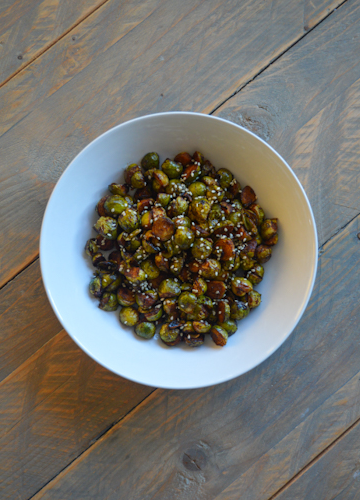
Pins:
x: 230, y: 326
x: 241, y: 286
x: 254, y: 299
x: 239, y: 310
x: 125, y: 296
x: 194, y: 339
x: 170, y: 336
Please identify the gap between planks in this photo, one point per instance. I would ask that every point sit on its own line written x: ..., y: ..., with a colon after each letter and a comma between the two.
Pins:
x: 314, y: 460
x: 103, y: 434
x: 51, y: 44
x: 274, y: 60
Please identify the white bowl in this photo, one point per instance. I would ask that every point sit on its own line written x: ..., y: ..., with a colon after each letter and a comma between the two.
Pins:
x: 66, y: 271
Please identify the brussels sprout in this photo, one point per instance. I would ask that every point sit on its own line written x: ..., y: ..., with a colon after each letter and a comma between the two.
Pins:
x: 160, y: 180
x: 138, y: 180
x: 146, y: 299
x: 108, y: 302
x: 182, y: 220
x: 145, y: 330
x: 183, y: 237
x: 95, y: 287
x: 224, y: 249
x: 163, y: 228
x: 172, y: 169
x: 236, y: 218
x: 255, y: 274
x: 110, y: 282
x: 115, y: 205
x: 223, y: 311
x: 134, y: 275
x: 232, y: 264
x: 230, y: 326
x: 169, y: 288
x: 175, y: 186
x: 100, y: 207
x: 200, y: 312
x: 120, y: 189
x: 268, y: 229
x: 263, y: 253
x: 258, y: 211
x: 198, y: 189
x: 216, y: 289
x: 125, y: 296
x: 204, y: 300
x: 219, y: 335
x: 91, y: 247
x: 202, y: 248
x: 247, y: 263
x: 239, y: 310
x: 146, y: 220
x: 150, y: 268
x: 104, y: 243
x: 199, y: 209
x: 170, y: 335
x: 187, y: 302
x: 170, y: 307
x: 163, y: 198
x: 194, y: 339
x: 240, y: 286
x: 210, y: 269
x: 199, y: 158
x: 129, y: 316
x: 183, y: 158
x: 248, y: 196
x: 176, y: 265
x: 253, y: 299
x: 107, y: 227
x: 129, y: 220
x: 154, y: 314
x: 214, y: 193
x: 150, y: 161
x: 150, y: 243
x: 191, y: 173
x: 201, y: 326
x: 199, y: 286
x: 225, y: 177
x: 178, y: 206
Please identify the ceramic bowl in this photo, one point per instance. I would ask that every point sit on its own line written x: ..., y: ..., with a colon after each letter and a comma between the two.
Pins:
x: 66, y: 270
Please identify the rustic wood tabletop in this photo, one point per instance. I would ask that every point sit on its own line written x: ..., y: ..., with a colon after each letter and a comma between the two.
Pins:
x: 287, y: 70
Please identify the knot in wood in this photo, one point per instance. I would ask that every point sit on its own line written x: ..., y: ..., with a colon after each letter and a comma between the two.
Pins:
x: 194, y: 460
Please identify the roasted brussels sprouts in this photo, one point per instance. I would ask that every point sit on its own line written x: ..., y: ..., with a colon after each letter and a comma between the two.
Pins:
x: 187, y: 248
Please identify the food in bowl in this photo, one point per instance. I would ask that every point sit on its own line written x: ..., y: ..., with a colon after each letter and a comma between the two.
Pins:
x: 187, y: 249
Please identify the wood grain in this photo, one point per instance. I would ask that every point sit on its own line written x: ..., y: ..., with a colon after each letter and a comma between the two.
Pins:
x: 335, y: 475
x: 27, y: 320
x: 52, y: 408
x: 28, y: 28
x: 161, y: 56
x: 307, y: 107
x: 253, y: 433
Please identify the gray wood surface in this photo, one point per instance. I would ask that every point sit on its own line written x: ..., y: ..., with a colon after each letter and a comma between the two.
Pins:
x: 28, y: 28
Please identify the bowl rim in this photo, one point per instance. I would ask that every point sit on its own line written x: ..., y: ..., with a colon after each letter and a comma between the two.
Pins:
x: 205, y: 117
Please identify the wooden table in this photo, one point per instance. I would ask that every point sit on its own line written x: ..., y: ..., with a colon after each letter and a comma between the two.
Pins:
x: 289, y: 71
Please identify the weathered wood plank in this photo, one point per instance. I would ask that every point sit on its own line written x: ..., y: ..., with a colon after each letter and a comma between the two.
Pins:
x: 256, y: 431
x: 307, y: 107
x: 161, y: 56
x: 27, y: 320
x: 51, y: 409
x: 28, y: 28
x: 335, y: 475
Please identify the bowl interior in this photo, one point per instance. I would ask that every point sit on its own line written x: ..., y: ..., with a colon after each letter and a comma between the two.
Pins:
x: 288, y: 279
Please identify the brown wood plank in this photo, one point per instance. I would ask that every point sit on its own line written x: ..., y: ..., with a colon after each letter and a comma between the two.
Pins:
x: 306, y: 106
x: 256, y: 431
x: 170, y: 55
x: 28, y: 28
x: 52, y: 408
x: 26, y: 318
x: 336, y: 475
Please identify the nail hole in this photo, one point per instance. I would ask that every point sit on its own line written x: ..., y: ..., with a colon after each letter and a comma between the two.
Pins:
x: 161, y: 95
x: 73, y: 38
x: 20, y: 57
